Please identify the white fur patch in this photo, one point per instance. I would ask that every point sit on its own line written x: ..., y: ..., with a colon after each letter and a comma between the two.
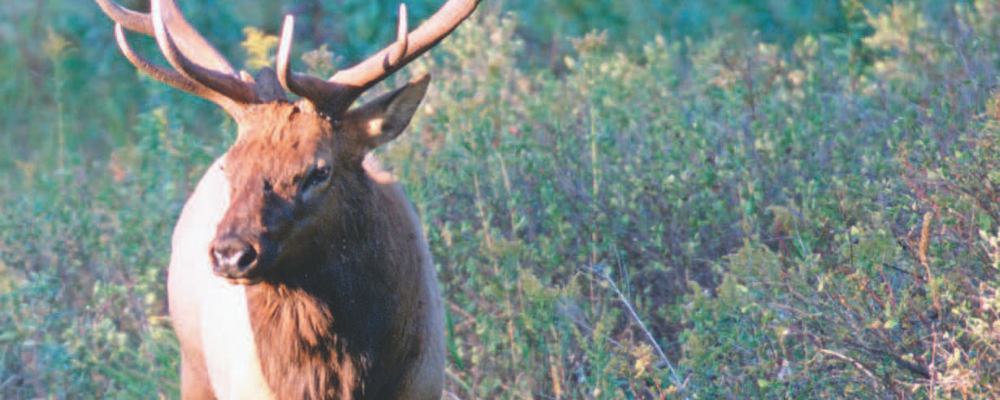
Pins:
x: 375, y: 126
x: 207, y: 308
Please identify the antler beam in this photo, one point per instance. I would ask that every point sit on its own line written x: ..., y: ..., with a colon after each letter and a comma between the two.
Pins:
x: 336, y: 94
x: 168, y: 76
x: 228, y: 84
x: 306, y: 86
x: 200, y: 68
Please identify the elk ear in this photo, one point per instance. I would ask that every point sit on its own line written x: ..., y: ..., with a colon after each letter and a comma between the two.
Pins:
x: 379, y: 121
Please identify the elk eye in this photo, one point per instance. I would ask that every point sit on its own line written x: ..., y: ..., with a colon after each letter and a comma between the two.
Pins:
x: 317, y: 175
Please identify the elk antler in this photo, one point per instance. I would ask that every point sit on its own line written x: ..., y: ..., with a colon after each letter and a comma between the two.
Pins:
x: 200, y: 69
x: 334, y: 96
x: 168, y: 76
x: 223, y: 81
x: 191, y: 43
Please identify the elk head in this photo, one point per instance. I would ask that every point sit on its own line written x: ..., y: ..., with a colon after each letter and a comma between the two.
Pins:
x: 296, y: 167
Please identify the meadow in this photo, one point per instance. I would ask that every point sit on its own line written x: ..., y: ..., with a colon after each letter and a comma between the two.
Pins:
x: 624, y: 199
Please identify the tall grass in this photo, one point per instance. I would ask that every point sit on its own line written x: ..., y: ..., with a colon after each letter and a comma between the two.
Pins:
x: 708, y: 200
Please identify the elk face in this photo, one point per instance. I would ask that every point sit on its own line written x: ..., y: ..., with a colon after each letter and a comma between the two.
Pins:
x: 295, y: 175
x: 293, y: 163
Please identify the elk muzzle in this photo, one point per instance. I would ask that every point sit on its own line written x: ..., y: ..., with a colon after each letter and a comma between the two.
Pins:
x: 234, y: 258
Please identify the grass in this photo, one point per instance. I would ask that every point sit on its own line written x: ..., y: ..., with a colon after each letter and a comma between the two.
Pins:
x: 726, y: 199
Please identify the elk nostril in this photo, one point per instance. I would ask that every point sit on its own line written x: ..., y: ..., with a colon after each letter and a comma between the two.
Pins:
x: 231, y: 257
x: 248, y: 257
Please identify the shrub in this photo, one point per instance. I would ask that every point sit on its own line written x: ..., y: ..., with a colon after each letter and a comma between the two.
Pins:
x: 806, y: 211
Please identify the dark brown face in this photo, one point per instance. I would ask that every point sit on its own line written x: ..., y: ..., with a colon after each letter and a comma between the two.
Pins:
x: 280, y: 171
x: 297, y: 184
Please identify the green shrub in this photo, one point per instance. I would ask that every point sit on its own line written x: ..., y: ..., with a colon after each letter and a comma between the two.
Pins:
x: 726, y: 199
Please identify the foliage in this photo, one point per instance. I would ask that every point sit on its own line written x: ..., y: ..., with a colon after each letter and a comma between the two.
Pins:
x: 724, y: 199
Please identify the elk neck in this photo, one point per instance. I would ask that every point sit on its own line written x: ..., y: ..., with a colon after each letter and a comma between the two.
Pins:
x: 320, y: 322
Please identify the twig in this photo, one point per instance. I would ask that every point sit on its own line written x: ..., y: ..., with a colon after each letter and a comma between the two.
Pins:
x: 925, y: 233
x: 455, y: 378
x: 8, y: 381
x: 932, y: 368
x: 914, y: 368
x: 451, y: 395
x: 896, y: 268
x: 856, y: 363
x: 602, y: 272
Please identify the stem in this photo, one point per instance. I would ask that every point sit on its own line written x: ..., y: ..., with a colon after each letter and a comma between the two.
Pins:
x: 649, y: 336
x: 60, y: 124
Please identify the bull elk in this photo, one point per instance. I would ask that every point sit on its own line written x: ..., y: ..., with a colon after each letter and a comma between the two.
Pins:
x: 299, y: 269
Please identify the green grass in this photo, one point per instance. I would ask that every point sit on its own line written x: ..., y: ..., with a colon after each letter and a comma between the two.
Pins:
x: 726, y: 199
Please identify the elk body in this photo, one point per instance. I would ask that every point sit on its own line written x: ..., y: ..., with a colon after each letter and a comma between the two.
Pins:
x: 299, y: 269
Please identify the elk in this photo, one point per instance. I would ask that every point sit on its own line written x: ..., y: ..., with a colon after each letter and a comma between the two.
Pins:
x: 299, y: 269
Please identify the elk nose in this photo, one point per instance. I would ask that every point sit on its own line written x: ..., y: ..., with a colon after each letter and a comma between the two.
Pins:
x: 233, y: 258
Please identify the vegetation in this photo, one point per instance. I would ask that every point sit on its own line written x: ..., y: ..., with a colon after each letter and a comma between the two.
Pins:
x: 625, y: 200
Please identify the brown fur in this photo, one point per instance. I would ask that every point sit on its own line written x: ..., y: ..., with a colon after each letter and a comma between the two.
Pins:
x: 298, y: 268
x: 337, y: 306
x: 342, y: 300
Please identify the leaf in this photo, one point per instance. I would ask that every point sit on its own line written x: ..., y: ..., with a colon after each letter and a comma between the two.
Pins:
x: 258, y: 46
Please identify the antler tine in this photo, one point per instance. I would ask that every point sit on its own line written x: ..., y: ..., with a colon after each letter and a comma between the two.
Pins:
x: 131, y: 20
x: 171, y: 77
x: 191, y: 43
x: 227, y: 84
x: 402, y: 39
x: 376, y: 68
x: 306, y: 86
x: 315, y: 89
x: 334, y: 96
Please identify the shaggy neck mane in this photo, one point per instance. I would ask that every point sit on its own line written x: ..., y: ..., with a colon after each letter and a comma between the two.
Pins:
x: 319, y: 326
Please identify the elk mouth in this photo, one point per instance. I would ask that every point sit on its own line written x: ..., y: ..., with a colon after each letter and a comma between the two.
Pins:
x: 244, y: 261
x: 244, y: 281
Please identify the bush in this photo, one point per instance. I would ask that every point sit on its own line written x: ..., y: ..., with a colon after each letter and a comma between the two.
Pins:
x: 805, y: 211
